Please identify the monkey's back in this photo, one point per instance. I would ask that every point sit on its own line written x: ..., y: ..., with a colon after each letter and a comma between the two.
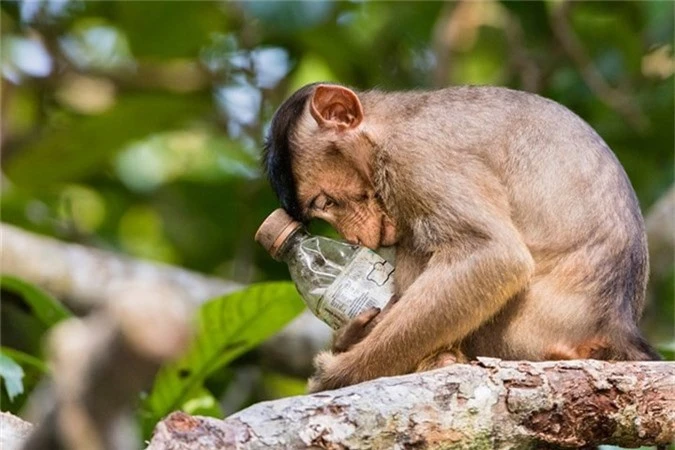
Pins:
x: 572, y: 200
x: 580, y: 217
x: 568, y: 195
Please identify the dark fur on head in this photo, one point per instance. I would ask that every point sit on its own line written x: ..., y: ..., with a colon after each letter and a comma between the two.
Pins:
x: 277, y: 155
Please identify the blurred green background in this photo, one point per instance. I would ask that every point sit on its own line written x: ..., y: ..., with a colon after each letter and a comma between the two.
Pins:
x: 137, y: 126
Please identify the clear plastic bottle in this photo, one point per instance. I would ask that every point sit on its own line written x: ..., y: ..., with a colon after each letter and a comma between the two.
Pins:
x: 337, y: 280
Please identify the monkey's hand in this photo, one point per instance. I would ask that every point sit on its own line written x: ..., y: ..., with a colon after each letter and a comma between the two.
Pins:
x: 359, y: 327
x: 334, y: 369
x: 355, y: 330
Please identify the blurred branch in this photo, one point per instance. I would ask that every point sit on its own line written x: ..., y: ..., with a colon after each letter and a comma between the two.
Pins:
x: 101, y: 363
x: 442, y: 39
x: 84, y: 278
x: 521, y: 62
x: 616, y: 99
x: 490, y: 404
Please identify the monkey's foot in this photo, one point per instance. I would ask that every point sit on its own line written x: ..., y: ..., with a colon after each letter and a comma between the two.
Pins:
x: 328, y: 373
x: 595, y: 348
x: 441, y: 358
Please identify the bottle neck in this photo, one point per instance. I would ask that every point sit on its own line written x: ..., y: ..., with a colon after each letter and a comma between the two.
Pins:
x: 294, y: 239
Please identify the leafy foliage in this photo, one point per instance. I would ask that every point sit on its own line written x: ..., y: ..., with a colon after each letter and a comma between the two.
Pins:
x: 11, y: 374
x: 87, y: 154
x: 226, y: 328
x: 48, y: 310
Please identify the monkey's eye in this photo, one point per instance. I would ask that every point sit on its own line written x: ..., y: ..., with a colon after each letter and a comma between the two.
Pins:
x: 328, y: 203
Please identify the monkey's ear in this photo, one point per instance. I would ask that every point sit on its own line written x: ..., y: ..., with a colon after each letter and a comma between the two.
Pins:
x: 336, y: 107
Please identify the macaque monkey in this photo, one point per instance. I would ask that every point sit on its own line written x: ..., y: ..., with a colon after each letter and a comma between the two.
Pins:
x: 518, y: 233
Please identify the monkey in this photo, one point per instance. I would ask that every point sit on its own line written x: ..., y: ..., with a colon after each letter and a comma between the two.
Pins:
x: 518, y: 234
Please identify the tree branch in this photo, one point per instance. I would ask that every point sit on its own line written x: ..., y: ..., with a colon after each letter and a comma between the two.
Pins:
x: 491, y: 403
x: 84, y: 277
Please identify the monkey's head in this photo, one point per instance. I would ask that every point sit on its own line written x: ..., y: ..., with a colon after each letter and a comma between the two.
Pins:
x: 319, y: 160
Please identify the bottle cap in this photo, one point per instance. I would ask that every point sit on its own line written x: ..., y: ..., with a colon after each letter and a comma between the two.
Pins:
x: 274, y: 231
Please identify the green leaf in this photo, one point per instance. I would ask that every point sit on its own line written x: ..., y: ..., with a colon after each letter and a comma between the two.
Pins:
x: 227, y: 327
x: 83, y: 145
x: 167, y: 29
x: 47, y: 309
x: 25, y: 359
x: 12, y: 374
x: 34, y: 370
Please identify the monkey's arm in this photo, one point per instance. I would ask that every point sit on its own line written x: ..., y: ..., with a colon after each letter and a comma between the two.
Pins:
x: 464, y: 284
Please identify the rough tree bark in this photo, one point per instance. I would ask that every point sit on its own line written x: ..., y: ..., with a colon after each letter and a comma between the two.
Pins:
x: 490, y: 404
x: 13, y: 431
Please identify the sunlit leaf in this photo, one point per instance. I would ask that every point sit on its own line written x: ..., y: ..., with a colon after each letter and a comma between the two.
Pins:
x: 12, y: 376
x: 24, y: 57
x: 227, y: 327
x: 202, y: 403
x: 34, y: 370
x: 197, y: 155
x: 95, y: 45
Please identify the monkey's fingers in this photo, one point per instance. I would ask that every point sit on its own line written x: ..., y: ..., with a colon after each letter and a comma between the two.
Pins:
x: 392, y: 301
x: 355, y: 330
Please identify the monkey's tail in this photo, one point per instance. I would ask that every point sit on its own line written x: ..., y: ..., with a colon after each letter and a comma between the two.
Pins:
x: 629, y: 345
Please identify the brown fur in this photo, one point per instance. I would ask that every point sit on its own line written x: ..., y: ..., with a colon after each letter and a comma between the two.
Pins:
x: 518, y: 233
x: 596, y: 348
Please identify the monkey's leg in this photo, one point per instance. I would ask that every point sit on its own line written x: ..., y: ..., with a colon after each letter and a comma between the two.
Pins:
x: 547, y: 321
